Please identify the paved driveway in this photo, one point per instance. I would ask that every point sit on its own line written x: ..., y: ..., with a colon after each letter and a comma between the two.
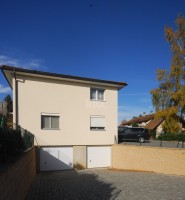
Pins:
x: 100, y: 184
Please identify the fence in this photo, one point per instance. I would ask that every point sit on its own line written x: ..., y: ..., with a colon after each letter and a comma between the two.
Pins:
x: 13, y: 141
x: 165, y: 140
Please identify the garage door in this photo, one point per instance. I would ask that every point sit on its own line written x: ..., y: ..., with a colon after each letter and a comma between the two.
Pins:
x: 98, y: 156
x: 56, y: 158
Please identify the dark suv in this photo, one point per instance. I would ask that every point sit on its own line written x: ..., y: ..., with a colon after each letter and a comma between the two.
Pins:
x: 131, y: 133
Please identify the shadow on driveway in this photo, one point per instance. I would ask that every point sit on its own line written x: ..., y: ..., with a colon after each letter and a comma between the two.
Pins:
x: 70, y: 185
x: 102, y: 184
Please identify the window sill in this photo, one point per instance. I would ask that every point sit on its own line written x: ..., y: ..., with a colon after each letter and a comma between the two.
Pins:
x: 50, y: 129
x: 97, y: 100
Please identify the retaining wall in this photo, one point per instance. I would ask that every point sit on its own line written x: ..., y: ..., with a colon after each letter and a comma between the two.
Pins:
x: 15, y: 179
x: 152, y: 159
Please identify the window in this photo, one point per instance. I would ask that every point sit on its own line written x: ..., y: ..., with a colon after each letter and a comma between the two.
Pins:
x: 97, y: 123
x: 50, y: 121
x: 97, y: 94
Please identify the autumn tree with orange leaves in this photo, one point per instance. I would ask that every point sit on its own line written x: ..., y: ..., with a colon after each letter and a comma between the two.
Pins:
x: 169, y: 98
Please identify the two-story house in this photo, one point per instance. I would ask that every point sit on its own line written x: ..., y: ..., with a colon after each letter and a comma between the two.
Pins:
x: 74, y: 119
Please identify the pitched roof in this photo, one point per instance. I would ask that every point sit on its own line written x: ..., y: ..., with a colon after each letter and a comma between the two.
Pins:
x: 154, y: 123
x: 139, y: 119
x: 5, y: 68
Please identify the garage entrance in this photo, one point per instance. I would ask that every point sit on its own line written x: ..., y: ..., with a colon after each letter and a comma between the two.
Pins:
x: 98, y: 156
x: 56, y: 158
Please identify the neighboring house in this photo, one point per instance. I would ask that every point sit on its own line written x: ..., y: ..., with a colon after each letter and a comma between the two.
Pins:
x: 74, y: 119
x: 147, y: 121
x: 156, y: 124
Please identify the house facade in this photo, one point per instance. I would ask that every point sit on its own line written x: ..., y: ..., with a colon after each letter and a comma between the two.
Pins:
x: 72, y: 118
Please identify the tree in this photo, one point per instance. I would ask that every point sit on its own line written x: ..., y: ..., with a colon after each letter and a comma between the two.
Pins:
x: 135, y: 125
x: 8, y: 98
x: 9, y: 102
x: 169, y: 98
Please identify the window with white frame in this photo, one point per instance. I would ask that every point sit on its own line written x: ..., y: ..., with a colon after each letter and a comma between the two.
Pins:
x: 97, y: 94
x: 97, y: 123
x: 50, y: 121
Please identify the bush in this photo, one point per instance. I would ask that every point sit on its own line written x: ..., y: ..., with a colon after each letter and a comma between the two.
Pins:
x: 135, y: 125
x: 15, y: 140
x: 28, y: 139
x: 172, y: 136
x: 153, y: 134
x: 12, y: 140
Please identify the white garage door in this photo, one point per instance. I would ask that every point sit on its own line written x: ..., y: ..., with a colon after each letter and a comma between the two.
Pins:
x: 98, y: 156
x: 56, y: 158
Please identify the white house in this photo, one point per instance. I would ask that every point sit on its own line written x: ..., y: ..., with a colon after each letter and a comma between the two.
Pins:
x: 74, y: 119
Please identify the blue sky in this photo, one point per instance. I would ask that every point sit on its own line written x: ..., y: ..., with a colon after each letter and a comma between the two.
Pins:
x: 121, y: 40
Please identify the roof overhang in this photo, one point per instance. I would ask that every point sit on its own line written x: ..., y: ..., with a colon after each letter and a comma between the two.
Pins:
x: 9, y: 72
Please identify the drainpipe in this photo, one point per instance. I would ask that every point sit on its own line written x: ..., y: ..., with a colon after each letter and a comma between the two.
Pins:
x: 16, y: 100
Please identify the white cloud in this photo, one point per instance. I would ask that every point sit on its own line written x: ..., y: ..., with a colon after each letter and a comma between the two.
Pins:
x: 4, y: 90
x: 23, y: 63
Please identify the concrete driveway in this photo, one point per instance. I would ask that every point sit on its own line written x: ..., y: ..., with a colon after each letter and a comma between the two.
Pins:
x: 103, y: 184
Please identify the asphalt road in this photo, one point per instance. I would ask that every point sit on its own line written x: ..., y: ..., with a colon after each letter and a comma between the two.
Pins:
x: 156, y: 143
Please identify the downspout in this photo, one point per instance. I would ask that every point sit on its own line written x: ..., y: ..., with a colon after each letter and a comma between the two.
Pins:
x: 16, y: 100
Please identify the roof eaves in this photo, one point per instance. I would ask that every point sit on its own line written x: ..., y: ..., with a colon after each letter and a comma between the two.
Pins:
x: 139, y: 119
x: 5, y: 77
x: 9, y: 68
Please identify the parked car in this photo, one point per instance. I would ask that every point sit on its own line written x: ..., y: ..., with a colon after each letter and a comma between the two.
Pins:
x: 132, y: 133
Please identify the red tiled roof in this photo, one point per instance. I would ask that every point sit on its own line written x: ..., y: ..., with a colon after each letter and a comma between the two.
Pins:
x: 141, y: 119
x: 154, y: 124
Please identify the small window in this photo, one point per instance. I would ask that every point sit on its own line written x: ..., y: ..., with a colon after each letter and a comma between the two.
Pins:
x: 49, y: 122
x: 97, y: 123
x: 97, y: 94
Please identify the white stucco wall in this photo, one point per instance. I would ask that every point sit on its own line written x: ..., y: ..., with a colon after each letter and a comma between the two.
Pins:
x: 72, y: 102
x: 159, y: 130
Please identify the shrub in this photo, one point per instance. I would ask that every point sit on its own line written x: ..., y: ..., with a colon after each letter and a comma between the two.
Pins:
x: 135, y: 125
x: 12, y: 140
x: 172, y: 136
x: 153, y: 134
